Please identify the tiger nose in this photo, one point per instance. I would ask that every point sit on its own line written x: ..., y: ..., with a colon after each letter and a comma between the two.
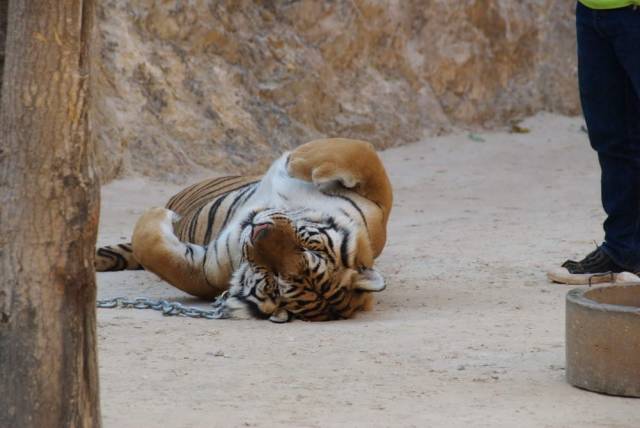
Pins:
x: 258, y: 231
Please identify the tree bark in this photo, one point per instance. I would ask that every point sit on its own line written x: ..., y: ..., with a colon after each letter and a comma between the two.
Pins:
x: 3, y: 32
x: 49, y: 207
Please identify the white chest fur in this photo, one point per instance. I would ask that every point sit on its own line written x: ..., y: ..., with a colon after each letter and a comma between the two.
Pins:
x: 281, y: 191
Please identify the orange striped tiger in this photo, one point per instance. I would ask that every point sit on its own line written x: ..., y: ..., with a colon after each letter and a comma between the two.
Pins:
x: 298, y: 242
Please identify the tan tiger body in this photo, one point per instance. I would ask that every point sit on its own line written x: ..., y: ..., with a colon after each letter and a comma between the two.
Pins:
x: 299, y: 241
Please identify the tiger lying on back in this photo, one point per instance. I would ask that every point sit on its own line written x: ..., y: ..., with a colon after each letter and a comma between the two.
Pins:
x: 298, y: 242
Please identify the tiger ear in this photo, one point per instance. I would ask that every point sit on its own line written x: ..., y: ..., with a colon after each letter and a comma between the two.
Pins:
x: 280, y: 316
x: 369, y: 280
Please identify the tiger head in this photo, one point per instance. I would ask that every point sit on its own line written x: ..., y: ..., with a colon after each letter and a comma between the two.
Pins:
x: 303, y: 265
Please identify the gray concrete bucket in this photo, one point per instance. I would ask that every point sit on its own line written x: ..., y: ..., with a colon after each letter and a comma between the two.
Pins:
x: 603, y: 339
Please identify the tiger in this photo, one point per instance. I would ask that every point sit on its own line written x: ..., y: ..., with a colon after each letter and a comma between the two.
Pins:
x: 298, y: 242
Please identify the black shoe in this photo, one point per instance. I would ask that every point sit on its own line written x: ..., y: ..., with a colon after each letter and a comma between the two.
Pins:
x: 596, y: 262
x: 596, y: 267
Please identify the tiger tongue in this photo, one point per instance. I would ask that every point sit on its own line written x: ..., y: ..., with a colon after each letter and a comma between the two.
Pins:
x: 258, y: 231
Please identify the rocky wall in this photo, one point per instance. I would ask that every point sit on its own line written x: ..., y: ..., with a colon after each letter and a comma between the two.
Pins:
x: 188, y: 86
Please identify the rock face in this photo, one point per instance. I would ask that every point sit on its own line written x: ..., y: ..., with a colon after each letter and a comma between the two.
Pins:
x: 184, y: 86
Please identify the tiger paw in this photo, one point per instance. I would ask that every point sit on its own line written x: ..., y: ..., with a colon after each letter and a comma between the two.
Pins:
x: 153, y: 230
x: 322, y: 167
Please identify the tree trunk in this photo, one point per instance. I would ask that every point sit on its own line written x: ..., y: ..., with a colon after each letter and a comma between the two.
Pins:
x: 3, y: 32
x: 49, y: 207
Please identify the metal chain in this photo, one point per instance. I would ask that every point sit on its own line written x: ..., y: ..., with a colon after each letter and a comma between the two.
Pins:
x: 167, y: 308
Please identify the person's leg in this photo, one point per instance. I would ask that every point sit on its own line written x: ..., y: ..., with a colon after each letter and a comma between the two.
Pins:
x: 620, y: 154
x: 604, y: 92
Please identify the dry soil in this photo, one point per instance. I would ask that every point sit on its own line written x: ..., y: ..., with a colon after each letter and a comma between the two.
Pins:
x: 468, y: 332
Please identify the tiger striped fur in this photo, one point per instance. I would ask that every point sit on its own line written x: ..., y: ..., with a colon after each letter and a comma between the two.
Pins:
x: 298, y: 242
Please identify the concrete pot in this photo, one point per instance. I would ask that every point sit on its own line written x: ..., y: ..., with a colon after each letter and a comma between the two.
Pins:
x: 603, y: 339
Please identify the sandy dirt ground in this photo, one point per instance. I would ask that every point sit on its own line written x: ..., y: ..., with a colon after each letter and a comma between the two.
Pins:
x: 468, y: 332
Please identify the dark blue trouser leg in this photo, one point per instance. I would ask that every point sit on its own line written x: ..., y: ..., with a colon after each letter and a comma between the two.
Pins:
x: 609, y: 79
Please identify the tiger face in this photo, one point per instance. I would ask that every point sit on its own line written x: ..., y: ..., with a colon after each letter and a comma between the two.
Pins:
x: 300, y: 264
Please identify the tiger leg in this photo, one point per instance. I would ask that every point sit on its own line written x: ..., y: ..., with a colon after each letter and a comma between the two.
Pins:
x: 353, y: 163
x: 181, y: 264
x: 116, y: 257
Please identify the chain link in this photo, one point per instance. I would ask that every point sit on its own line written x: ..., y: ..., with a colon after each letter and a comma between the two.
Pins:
x: 166, y: 307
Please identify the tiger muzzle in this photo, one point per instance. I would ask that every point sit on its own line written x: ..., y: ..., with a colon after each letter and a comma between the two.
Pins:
x: 275, y: 246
